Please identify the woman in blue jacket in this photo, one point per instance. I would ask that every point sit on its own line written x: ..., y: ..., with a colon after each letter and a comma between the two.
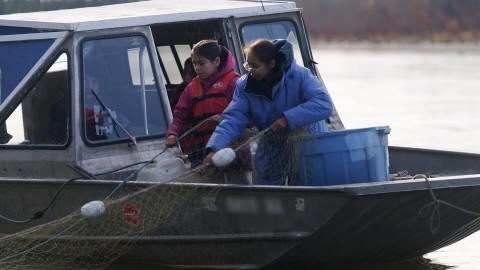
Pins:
x: 277, y: 94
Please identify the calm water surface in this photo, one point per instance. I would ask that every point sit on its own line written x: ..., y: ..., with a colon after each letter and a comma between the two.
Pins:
x: 430, y: 97
x: 427, y: 94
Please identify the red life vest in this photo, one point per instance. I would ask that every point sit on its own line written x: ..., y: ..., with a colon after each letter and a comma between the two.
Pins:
x: 206, y: 104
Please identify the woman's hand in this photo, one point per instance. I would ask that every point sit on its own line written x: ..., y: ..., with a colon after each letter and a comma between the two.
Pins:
x: 280, y: 125
x: 208, y: 159
x: 171, y: 141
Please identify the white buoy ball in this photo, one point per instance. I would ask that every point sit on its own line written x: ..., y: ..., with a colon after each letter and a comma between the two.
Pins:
x: 93, y: 209
x: 223, y: 157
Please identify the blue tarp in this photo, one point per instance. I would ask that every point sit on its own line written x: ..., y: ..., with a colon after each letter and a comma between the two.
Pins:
x: 17, y: 59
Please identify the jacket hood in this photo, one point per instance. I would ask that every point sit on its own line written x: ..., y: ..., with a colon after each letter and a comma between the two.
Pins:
x: 285, y: 53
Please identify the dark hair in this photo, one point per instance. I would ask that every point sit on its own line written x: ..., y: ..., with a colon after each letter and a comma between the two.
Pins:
x: 208, y: 48
x: 188, y: 64
x: 264, y: 49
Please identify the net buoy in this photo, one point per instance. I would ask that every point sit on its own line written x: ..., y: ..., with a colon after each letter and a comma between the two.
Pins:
x: 93, y: 209
x: 223, y: 157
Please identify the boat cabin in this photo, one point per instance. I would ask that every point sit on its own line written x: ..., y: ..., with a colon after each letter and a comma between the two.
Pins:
x: 129, y: 57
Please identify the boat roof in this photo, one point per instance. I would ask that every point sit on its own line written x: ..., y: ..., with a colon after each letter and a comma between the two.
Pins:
x: 142, y: 13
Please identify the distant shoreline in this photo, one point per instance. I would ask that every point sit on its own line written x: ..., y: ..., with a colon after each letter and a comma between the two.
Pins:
x: 434, y: 37
x: 422, y: 45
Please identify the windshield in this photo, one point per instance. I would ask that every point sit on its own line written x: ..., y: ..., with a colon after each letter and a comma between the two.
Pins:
x: 273, y: 30
x: 121, y: 97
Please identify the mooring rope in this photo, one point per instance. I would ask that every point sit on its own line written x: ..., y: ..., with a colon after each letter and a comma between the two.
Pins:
x: 434, y: 206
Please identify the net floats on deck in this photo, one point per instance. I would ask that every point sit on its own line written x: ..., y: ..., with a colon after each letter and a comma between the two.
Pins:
x: 93, y: 209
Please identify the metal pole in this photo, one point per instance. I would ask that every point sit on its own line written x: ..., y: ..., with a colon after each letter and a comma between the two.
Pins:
x: 142, y: 82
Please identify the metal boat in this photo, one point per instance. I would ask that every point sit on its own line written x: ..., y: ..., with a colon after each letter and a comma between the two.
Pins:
x: 138, y: 48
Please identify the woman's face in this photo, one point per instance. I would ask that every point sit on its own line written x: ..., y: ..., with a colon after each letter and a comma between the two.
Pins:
x: 204, y: 67
x: 258, y: 69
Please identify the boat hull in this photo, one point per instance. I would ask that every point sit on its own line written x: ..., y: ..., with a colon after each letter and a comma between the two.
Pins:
x: 229, y: 226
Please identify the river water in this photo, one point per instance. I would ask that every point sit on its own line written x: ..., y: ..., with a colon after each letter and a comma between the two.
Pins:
x: 429, y: 94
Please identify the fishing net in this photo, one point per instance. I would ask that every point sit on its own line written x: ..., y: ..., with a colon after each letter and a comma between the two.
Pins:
x: 149, y: 201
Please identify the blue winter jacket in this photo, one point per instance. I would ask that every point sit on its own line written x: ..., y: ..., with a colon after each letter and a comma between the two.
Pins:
x: 299, y: 96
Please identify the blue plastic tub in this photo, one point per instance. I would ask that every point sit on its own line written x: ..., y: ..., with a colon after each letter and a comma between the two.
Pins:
x: 344, y: 157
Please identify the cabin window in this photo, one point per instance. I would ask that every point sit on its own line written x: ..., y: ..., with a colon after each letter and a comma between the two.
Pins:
x: 171, y: 69
x: 172, y: 59
x: 42, y: 116
x: 174, y: 42
x: 120, y: 92
x: 273, y: 30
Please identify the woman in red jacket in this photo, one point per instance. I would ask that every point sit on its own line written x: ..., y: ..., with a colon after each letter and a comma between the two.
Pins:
x: 206, y: 96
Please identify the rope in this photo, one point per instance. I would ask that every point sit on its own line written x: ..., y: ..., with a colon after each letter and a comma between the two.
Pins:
x: 152, y: 159
x: 40, y: 213
x: 434, y: 207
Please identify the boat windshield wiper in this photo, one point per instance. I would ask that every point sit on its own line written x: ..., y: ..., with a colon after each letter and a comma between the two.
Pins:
x: 114, y: 119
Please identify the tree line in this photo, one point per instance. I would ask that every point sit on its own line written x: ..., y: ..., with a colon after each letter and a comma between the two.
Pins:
x: 411, y: 20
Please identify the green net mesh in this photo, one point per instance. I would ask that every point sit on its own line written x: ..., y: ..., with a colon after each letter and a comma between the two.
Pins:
x: 151, y: 198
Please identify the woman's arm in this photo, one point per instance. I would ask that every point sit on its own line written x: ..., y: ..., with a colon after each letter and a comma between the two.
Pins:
x: 317, y: 103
